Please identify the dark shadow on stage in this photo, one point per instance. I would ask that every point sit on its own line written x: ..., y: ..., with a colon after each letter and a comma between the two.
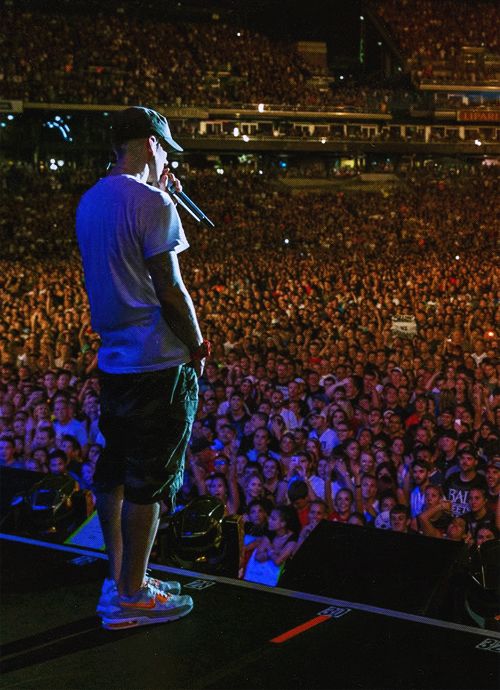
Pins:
x: 77, y: 636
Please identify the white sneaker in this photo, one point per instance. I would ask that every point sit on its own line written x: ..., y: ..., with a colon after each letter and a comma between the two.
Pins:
x: 109, y: 590
x: 150, y: 605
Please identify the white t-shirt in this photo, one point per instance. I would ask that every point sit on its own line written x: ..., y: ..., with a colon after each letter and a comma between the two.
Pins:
x: 318, y: 486
x: 73, y: 428
x: 383, y: 520
x: 223, y: 408
x: 121, y: 222
x: 328, y: 440
x: 290, y: 419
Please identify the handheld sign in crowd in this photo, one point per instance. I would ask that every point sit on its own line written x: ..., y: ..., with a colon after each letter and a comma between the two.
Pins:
x: 404, y: 325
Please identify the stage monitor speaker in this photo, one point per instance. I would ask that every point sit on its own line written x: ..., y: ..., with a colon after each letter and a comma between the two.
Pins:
x: 404, y: 572
x: 39, y: 505
x: 14, y: 481
x: 483, y: 587
x: 223, y: 559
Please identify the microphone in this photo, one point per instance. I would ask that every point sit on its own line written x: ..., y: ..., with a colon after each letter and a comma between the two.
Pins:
x: 189, y: 205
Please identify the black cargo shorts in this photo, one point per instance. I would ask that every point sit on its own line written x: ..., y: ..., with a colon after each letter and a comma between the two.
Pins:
x: 146, y: 420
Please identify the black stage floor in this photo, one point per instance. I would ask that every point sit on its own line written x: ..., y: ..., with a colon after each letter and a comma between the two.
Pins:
x: 238, y: 636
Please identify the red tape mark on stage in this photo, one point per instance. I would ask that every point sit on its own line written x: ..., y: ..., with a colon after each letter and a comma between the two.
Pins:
x: 300, y: 629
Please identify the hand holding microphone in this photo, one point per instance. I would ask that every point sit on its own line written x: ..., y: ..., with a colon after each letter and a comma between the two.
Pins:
x: 168, y: 178
x: 174, y: 188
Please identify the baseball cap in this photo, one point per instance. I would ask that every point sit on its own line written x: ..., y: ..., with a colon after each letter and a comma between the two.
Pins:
x: 467, y: 450
x: 137, y: 122
x: 317, y: 413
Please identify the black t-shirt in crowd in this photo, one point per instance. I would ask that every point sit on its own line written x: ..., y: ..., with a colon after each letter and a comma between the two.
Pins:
x: 457, y: 491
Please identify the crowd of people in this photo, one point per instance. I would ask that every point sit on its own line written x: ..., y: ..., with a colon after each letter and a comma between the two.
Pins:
x: 354, y: 369
x: 432, y: 35
x: 111, y: 59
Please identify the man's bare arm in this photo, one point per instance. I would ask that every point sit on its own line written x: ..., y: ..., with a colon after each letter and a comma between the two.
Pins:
x: 177, y: 305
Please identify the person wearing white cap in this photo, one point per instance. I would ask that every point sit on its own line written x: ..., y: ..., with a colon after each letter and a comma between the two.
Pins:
x: 321, y: 430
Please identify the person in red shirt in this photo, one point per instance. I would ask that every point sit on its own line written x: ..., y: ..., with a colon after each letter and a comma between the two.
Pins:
x: 298, y: 495
x: 420, y: 410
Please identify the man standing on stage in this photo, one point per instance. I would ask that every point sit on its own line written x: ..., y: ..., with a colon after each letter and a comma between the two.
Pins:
x: 152, y: 353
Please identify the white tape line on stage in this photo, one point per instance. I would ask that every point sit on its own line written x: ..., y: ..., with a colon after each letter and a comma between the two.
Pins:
x: 304, y: 596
